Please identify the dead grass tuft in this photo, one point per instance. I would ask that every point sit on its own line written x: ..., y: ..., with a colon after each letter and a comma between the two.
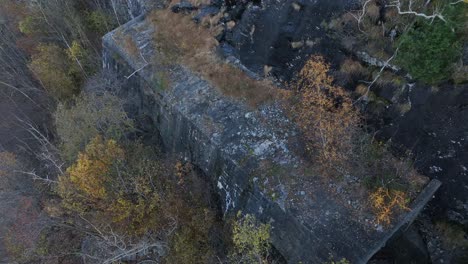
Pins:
x: 353, y: 68
x: 128, y: 43
x: 182, y: 41
x: 373, y: 12
x: 130, y: 46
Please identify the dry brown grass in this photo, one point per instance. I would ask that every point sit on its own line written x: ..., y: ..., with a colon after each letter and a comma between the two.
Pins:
x: 373, y: 12
x: 127, y: 42
x: 182, y: 41
x: 130, y: 46
x: 353, y: 69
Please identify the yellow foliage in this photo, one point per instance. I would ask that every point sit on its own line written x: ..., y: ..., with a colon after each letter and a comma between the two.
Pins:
x: 53, y: 68
x: 76, y: 51
x: 90, y: 176
x: 114, y: 186
x: 138, y: 215
x: 386, y: 202
x: 251, y: 239
x: 324, y: 113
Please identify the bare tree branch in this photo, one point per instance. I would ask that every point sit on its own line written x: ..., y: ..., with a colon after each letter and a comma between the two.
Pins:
x: 397, y: 4
x: 362, y: 14
x: 459, y: 1
x: 378, y: 75
x: 47, y: 153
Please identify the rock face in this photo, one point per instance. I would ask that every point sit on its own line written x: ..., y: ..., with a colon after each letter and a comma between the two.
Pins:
x: 282, y: 34
x: 229, y: 142
x: 435, y: 129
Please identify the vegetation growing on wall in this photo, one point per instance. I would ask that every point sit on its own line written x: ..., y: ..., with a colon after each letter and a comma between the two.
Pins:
x: 325, y: 114
x: 337, y: 144
x: 179, y: 39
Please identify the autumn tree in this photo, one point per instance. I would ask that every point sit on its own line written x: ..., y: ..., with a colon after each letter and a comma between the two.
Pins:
x: 251, y: 240
x: 88, y: 183
x: 325, y: 114
x: 120, y: 185
x: 89, y: 116
x: 191, y: 242
x: 56, y: 73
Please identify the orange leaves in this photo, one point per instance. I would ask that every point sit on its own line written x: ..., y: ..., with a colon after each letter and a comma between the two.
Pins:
x: 315, y: 73
x: 325, y: 114
x: 385, y: 202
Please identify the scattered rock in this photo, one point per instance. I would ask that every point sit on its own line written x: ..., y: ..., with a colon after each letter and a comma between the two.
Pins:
x: 296, y: 6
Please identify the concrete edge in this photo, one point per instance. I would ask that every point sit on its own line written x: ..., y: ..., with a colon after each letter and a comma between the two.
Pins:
x: 418, y: 205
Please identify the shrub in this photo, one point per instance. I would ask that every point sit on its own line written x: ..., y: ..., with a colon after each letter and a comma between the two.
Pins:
x: 251, y: 239
x: 8, y: 165
x: 428, y: 49
x: 452, y: 235
x: 77, y: 53
x: 190, y: 244
x: 99, y: 22
x: 340, y: 261
x: 31, y: 25
x: 21, y: 237
x: 89, y: 116
x: 385, y: 202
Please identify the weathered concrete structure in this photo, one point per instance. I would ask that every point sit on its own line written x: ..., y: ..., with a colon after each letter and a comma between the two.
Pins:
x: 229, y: 142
